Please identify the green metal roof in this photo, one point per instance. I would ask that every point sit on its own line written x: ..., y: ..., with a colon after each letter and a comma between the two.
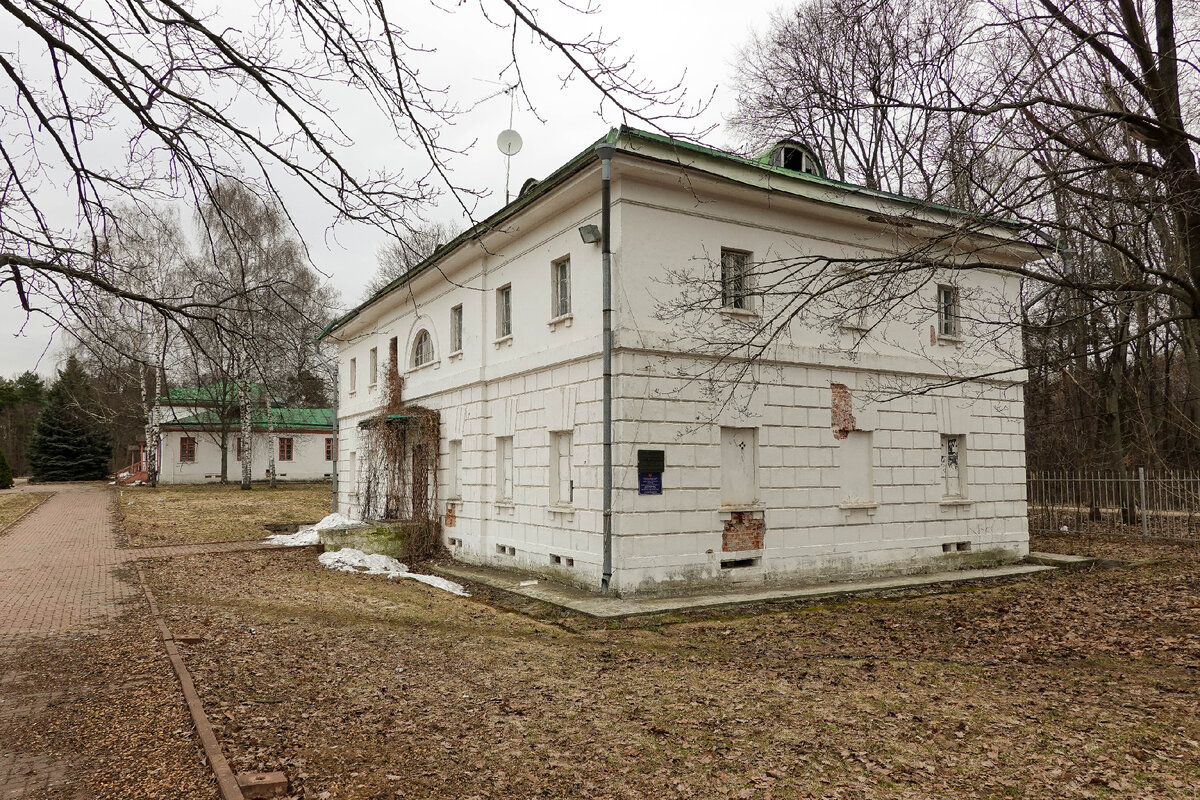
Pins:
x: 213, y: 393
x: 282, y: 418
x: 615, y: 135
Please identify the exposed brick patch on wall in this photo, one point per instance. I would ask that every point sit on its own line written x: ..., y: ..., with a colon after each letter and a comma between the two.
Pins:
x: 743, y: 531
x: 451, y: 515
x: 843, y: 411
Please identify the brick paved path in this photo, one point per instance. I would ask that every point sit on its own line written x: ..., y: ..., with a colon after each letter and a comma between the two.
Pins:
x: 60, y: 574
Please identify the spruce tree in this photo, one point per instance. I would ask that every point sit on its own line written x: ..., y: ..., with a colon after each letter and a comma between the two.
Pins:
x: 6, y: 479
x: 68, y: 444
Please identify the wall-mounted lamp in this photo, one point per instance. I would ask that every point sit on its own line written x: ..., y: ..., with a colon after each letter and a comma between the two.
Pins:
x: 590, y: 234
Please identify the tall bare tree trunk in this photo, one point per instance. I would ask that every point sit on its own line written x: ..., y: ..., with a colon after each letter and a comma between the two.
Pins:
x: 271, y: 443
x: 247, y: 434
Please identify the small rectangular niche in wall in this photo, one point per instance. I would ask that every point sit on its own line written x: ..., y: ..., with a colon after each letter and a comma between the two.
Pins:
x: 740, y: 563
x: 956, y: 547
x: 506, y: 550
x: 739, y: 466
x: 856, y: 470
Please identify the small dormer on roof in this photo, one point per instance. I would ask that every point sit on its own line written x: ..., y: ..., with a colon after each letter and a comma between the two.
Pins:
x: 795, y: 155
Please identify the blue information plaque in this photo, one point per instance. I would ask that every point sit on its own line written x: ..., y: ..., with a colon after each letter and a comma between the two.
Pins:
x: 649, y: 483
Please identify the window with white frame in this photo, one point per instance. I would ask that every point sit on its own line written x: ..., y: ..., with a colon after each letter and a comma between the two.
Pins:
x: 560, y: 287
x: 504, y: 468
x: 456, y: 329
x: 504, y: 312
x: 562, y: 486
x: 735, y: 279
x: 948, y: 314
x: 455, y: 468
x: 373, y: 367
x: 422, y: 349
x: 353, y: 375
x: 954, y: 468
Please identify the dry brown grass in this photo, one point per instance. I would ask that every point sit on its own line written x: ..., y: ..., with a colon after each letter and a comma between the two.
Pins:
x: 1070, y: 685
x: 215, y: 513
x: 13, y: 504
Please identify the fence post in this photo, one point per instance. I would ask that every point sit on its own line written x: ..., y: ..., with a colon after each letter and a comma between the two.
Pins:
x: 1145, y: 516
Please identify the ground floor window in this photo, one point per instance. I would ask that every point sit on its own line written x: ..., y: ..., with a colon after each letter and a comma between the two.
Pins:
x: 285, y: 448
x: 187, y: 449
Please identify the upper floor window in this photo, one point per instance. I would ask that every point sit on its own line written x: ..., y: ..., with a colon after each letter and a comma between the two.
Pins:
x: 504, y: 312
x: 560, y: 287
x: 353, y: 375
x: 735, y: 283
x: 456, y: 322
x: 948, y: 312
x: 422, y: 349
x: 373, y: 366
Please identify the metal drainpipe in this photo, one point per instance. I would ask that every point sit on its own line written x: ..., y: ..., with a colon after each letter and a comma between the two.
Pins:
x: 337, y: 433
x: 605, y: 153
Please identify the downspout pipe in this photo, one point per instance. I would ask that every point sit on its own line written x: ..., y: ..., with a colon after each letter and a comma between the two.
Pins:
x: 605, y: 153
x: 337, y: 436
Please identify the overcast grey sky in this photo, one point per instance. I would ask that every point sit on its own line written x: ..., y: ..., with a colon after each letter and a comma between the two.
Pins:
x: 696, y: 40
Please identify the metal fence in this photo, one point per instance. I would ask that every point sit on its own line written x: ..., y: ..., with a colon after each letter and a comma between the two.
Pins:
x: 1140, y: 503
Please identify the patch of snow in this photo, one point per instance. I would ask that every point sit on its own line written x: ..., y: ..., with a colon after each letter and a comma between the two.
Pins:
x: 301, y: 538
x: 337, y: 522
x: 350, y: 560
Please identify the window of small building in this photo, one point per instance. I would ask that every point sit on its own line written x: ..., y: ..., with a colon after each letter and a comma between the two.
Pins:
x: 285, y: 448
x: 735, y: 279
x: 422, y: 349
x: 240, y: 444
x: 187, y: 449
x: 953, y: 466
x: 504, y: 312
x: 948, y: 313
x: 456, y: 329
x: 560, y: 287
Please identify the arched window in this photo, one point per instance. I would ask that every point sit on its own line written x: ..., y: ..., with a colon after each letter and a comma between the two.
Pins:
x: 422, y: 349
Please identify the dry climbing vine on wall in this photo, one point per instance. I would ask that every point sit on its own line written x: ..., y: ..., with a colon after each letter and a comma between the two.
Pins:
x: 400, y: 451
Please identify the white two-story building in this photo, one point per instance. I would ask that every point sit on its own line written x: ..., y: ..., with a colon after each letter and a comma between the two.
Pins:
x: 805, y: 380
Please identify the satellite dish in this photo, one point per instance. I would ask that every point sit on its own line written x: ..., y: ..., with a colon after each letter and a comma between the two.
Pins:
x: 509, y: 142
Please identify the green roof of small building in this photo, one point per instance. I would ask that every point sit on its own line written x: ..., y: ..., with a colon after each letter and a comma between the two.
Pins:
x: 213, y: 393
x: 282, y: 418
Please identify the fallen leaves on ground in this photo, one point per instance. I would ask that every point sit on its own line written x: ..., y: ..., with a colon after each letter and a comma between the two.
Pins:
x: 1071, y: 685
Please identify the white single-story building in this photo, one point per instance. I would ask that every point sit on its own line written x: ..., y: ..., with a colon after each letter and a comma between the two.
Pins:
x: 599, y: 422
x: 302, y: 441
